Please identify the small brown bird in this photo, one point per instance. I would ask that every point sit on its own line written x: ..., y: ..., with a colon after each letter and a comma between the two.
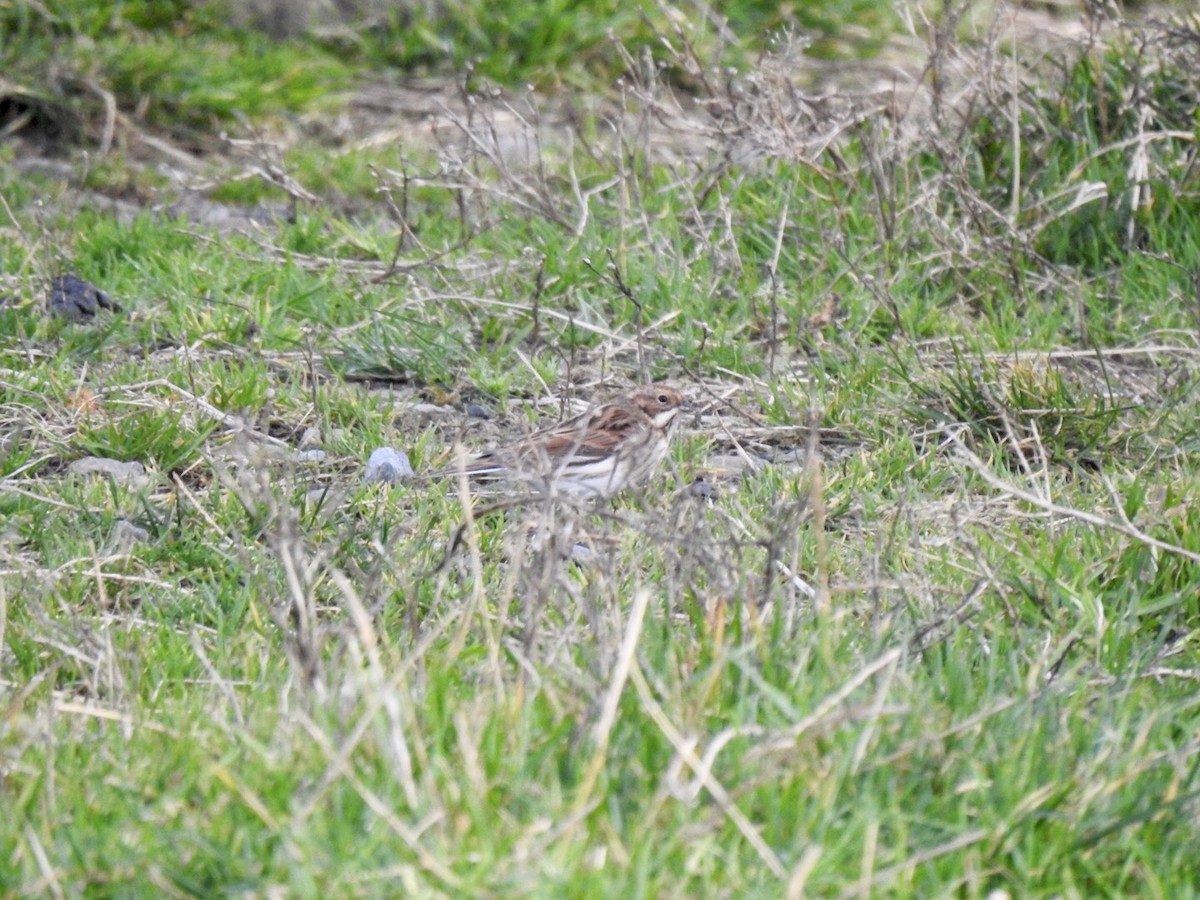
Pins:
x: 596, y: 454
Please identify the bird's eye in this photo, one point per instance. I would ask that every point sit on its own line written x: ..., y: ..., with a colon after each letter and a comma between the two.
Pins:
x: 663, y: 398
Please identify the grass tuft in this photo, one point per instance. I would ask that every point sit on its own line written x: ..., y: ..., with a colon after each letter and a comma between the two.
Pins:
x: 909, y: 609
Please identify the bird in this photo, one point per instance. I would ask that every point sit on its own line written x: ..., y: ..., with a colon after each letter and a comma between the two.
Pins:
x: 594, y: 455
x: 76, y: 300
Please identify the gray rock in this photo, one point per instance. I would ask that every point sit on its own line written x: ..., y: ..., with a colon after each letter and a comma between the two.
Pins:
x: 388, y: 465
x: 125, y: 534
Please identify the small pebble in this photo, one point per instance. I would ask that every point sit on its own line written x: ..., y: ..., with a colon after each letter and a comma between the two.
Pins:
x: 388, y: 466
x: 125, y: 534
x: 322, y: 496
x: 475, y: 411
x: 310, y: 456
x: 582, y: 554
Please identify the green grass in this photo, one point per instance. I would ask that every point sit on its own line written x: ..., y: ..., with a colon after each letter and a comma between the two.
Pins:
x: 189, y: 69
x: 251, y: 672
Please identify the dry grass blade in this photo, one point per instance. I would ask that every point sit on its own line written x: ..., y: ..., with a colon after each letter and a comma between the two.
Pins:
x: 684, y: 748
x: 980, y: 468
x: 409, y: 835
x: 890, y: 874
x: 612, y: 698
x: 368, y: 643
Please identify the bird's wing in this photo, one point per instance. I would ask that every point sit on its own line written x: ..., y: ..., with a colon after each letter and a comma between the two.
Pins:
x: 593, y: 434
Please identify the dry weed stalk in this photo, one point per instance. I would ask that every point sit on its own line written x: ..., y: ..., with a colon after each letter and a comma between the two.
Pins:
x: 1121, y: 525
